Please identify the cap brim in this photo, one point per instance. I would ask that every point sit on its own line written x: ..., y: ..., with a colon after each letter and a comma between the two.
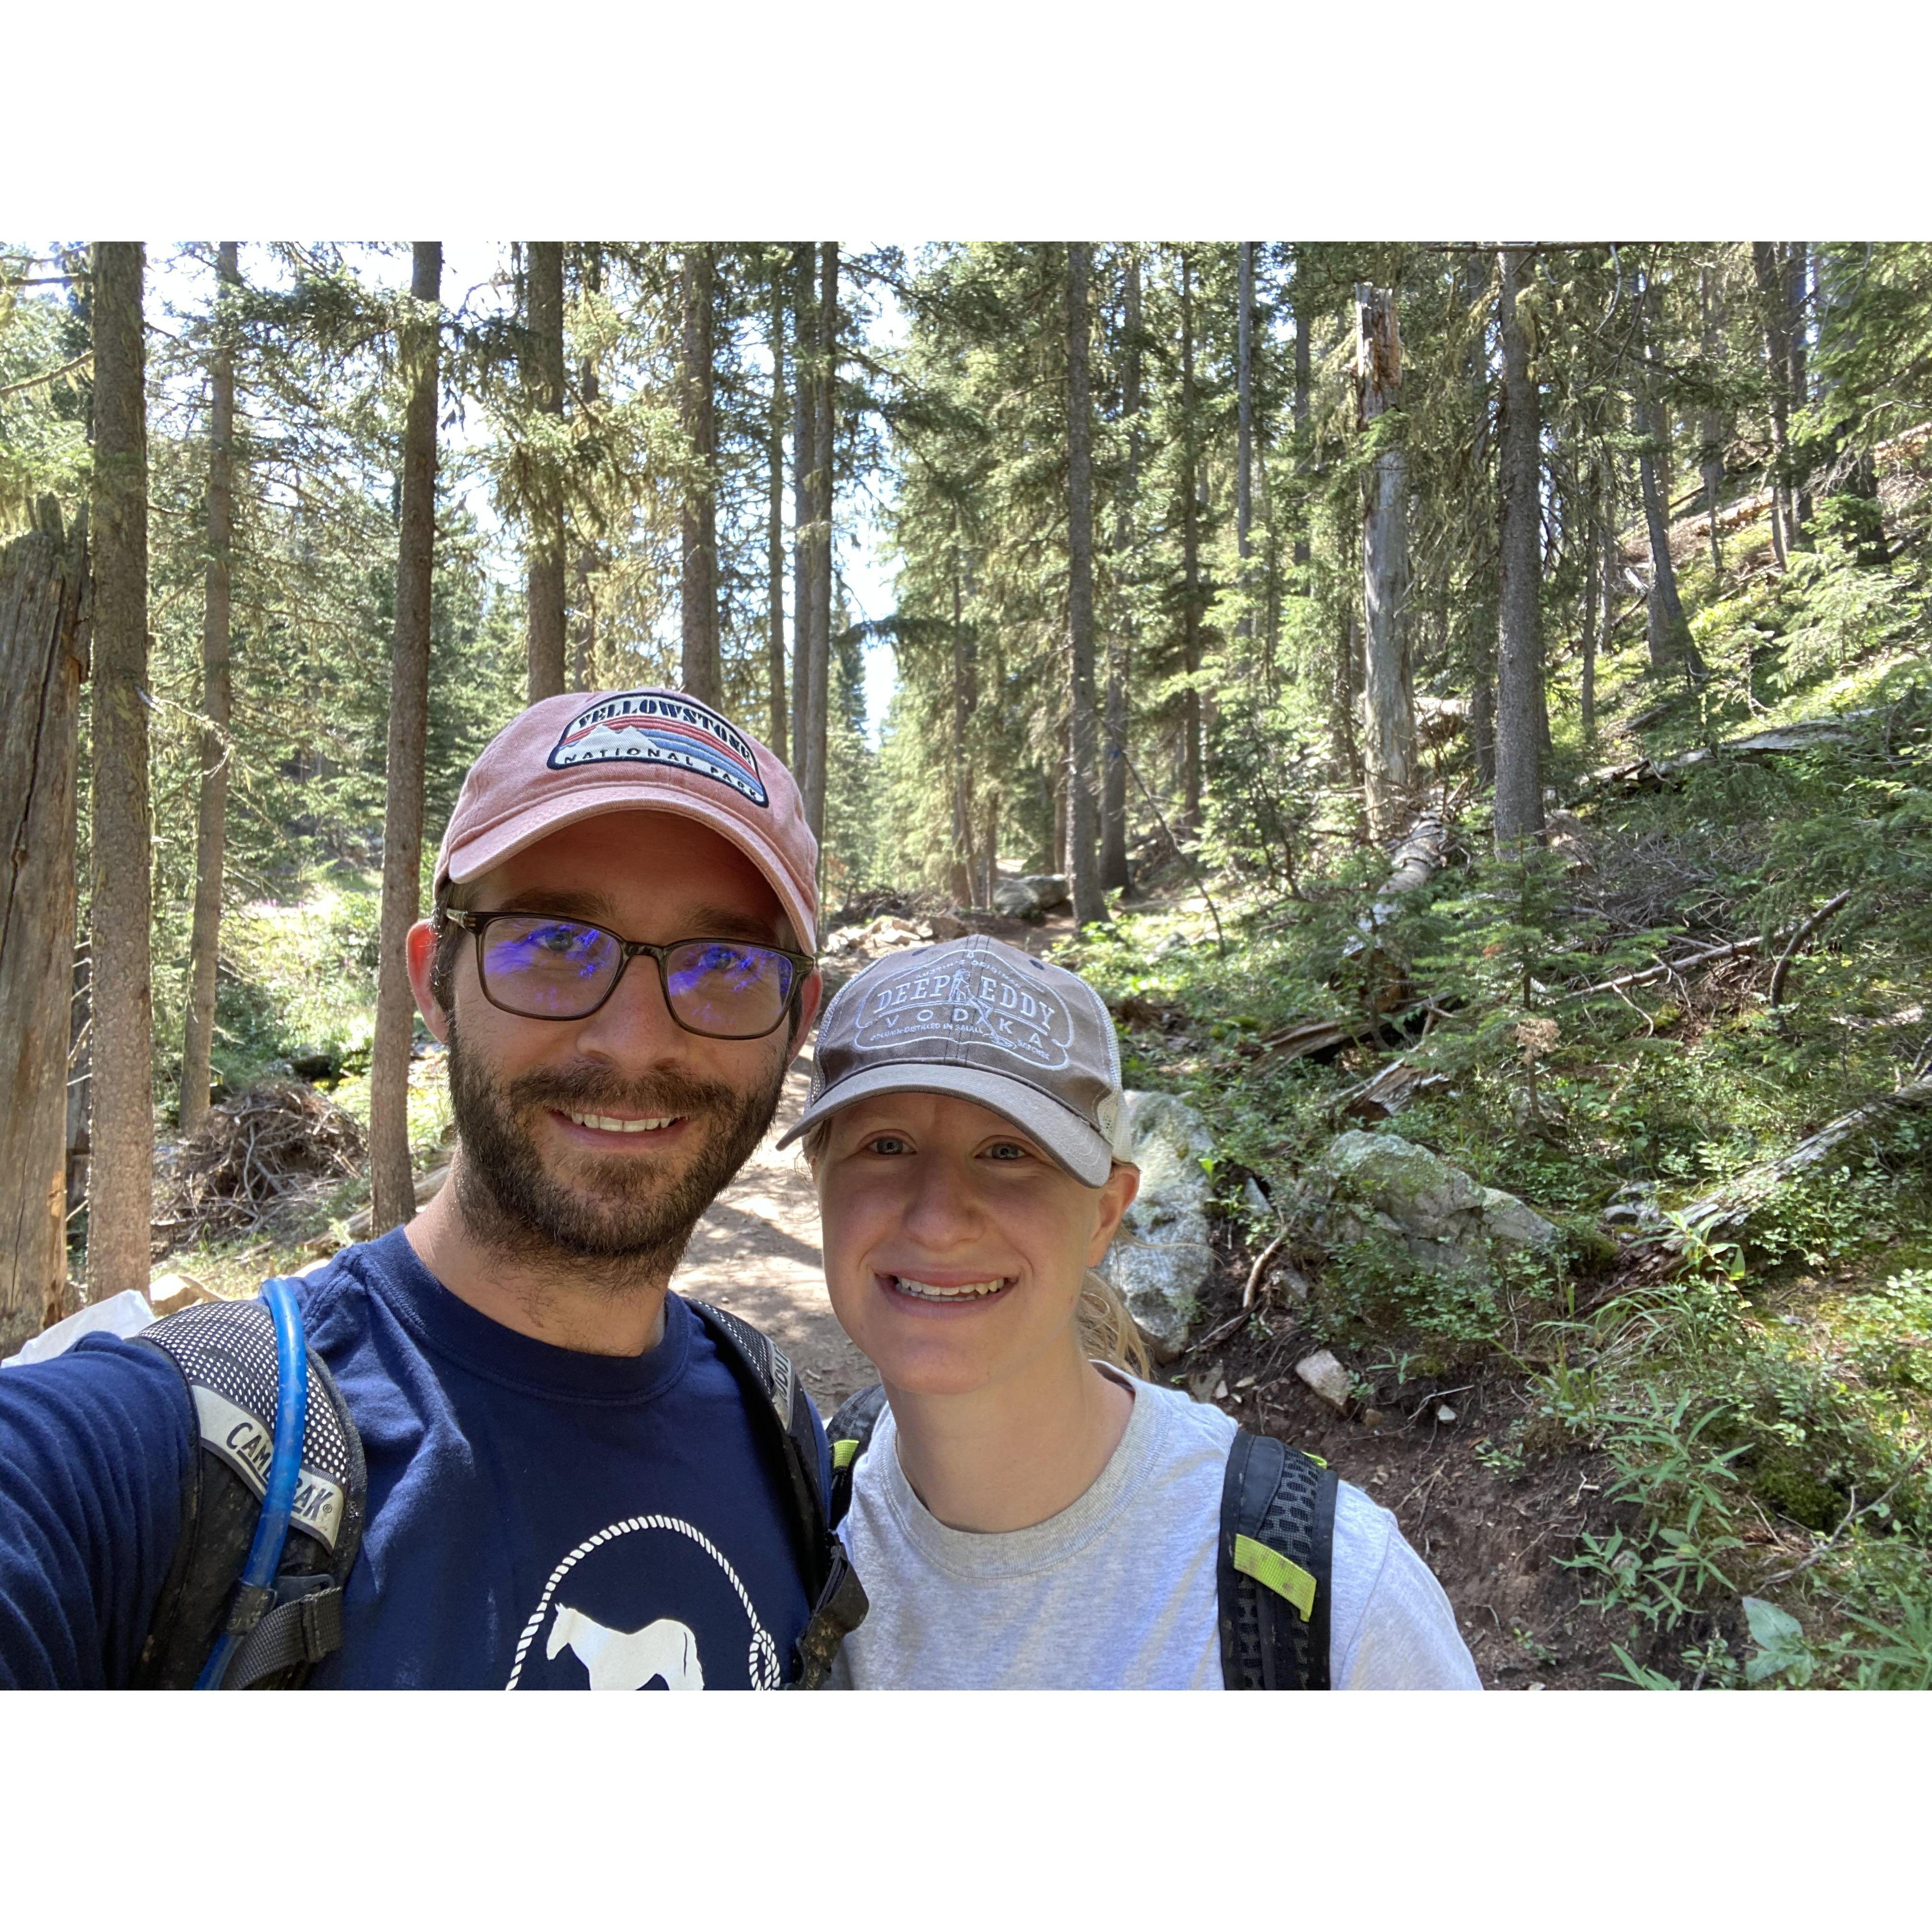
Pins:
x: 476, y: 856
x: 1081, y: 1150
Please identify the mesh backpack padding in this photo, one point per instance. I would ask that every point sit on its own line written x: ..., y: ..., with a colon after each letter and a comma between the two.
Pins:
x: 226, y: 1353
x: 831, y: 1585
x: 1285, y: 1501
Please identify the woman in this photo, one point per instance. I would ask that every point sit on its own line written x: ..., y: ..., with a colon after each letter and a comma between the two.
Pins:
x: 1025, y: 1515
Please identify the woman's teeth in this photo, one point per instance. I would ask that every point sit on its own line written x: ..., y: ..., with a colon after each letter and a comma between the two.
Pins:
x: 926, y: 1291
x: 609, y: 1124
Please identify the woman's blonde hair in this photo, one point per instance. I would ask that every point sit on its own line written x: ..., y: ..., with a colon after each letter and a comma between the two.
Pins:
x: 1108, y: 1332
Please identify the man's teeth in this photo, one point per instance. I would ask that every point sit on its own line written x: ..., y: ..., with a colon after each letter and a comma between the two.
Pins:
x: 609, y: 1124
x: 927, y: 1292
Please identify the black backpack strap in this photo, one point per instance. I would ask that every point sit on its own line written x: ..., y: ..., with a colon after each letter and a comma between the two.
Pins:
x: 788, y: 1420
x: 225, y: 1351
x: 851, y: 1434
x: 1276, y: 1566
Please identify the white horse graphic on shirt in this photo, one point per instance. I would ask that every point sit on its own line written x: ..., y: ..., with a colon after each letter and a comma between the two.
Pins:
x: 628, y: 1659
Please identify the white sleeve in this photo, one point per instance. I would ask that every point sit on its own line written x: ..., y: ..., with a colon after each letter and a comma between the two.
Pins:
x: 1391, y: 1626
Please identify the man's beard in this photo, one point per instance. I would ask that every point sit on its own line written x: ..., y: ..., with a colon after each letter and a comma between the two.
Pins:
x: 620, y: 1220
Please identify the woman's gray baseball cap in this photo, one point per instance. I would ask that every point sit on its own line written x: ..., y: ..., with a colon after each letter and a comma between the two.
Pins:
x: 981, y: 1020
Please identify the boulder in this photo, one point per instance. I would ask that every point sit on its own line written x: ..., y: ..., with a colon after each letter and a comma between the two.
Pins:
x: 1032, y: 897
x: 1162, y: 1260
x: 1445, y: 1220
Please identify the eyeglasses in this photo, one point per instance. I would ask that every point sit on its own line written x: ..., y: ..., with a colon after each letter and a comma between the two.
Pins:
x: 546, y: 968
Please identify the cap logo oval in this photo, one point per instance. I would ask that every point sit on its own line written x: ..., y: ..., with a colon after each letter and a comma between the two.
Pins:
x: 976, y: 1003
x: 652, y: 727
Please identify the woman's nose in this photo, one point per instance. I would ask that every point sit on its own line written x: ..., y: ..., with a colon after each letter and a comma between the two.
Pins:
x: 942, y: 1210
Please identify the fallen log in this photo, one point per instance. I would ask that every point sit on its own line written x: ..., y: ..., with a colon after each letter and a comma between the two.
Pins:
x: 1648, y: 774
x: 1732, y: 1204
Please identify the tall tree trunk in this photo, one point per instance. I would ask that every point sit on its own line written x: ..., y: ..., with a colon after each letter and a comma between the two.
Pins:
x: 962, y: 882
x: 1388, y: 736
x: 545, y: 321
x: 120, y: 1207
x: 584, y: 654
x: 804, y: 499
x: 1798, y: 302
x: 42, y: 583
x: 211, y: 818
x: 1772, y: 300
x: 1115, y: 875
x: 392, y: 1190
x: 1483, y: 729
x: 1667, y: 633
x: 1518, y: 814
x: 702, y: 673
x: 1304, y: 318
x: 1190, y: 561
x: 824, y: 448
x: 775, y: 620
x: 1711, y: 424
x: 1244, y: 422
x: 1088, y: 903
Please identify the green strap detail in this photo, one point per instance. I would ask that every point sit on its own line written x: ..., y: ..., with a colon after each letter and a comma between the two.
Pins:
x: 1320, y: 1462
x: 1273, y: 1571
x: 844, y: 1453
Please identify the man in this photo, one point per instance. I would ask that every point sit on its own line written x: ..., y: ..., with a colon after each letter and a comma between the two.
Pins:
x: 566, y: 1488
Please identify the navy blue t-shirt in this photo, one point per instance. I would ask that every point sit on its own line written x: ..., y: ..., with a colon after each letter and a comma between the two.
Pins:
x: 539, y: 1519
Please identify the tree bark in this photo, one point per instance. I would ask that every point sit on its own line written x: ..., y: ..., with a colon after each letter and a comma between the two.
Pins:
x: 804, y: 464
x: 1190, y: 561
x: 583, y: 659
x: 1711, y: 426
x: 392, y: 1191
x: 824, y: 448
x: 1667, y: 633
x: 1089, y: 904
x: 774, y: 618
x: 43, y: 589
x: 702, y: 674
x: 1388, y: 736
x: 1518, y: 810
x: 964, y: 881
x: 121, y: 1134
x: 1244, y: 422
x: 544, y: 377
x: 211, y: 819
x: 1115, y: 874
x: 1772, y: 303
x: 1797, y: 278
x: 1302, y: 386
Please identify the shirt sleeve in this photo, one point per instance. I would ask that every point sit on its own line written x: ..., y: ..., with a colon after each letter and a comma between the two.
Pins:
x: 1393, y: 1627
x: 96, y: 1446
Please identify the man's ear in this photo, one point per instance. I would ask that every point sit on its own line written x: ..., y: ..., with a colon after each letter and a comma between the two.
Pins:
x: 421, y: 949
x: 809, y: 995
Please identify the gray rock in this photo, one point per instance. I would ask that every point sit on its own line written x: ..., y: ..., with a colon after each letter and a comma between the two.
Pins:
x: 1634, y: 1205
x: 1032, y: 897
x: 1162, y: 1259
x: 1326, y: 1376
x: 1445, y: 1220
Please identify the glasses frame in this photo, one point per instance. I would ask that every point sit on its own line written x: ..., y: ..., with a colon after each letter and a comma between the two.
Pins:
x: 478, y: 923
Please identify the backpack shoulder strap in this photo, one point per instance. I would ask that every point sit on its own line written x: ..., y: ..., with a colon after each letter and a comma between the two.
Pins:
x: 851, y: 1433
x: 785, y: 1416
x: 225, y: 1351
x: 1275, y: 1566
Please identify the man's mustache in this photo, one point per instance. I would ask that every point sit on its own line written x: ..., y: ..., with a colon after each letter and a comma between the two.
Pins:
x: 589, y: 1088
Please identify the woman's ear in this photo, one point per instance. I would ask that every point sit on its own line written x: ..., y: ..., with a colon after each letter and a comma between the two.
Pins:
x: 1117, y: 1196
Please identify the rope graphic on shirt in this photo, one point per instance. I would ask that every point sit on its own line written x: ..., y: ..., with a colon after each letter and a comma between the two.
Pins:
x: 762, y: 1660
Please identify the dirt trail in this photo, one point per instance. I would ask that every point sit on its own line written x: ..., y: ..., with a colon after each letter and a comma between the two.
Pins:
x: 756, y: 1252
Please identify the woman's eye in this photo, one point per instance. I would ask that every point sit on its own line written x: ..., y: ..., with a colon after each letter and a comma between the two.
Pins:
x: 887, y: 1144
x: 1006, y: 1151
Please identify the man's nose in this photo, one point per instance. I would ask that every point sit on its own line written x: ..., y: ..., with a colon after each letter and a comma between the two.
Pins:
x: 634, y: 1026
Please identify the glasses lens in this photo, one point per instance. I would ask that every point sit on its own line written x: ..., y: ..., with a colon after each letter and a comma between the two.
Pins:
x: 548, y: 968
x: 717, y: 986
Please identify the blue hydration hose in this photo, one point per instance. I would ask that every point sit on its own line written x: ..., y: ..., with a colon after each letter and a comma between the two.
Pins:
x: 271, y: 1527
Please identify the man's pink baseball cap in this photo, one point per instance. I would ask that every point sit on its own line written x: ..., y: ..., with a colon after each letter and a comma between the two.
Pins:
x: 579, y: 755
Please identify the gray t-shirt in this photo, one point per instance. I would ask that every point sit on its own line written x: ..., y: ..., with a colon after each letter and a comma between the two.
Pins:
x: 1117, y: 1592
